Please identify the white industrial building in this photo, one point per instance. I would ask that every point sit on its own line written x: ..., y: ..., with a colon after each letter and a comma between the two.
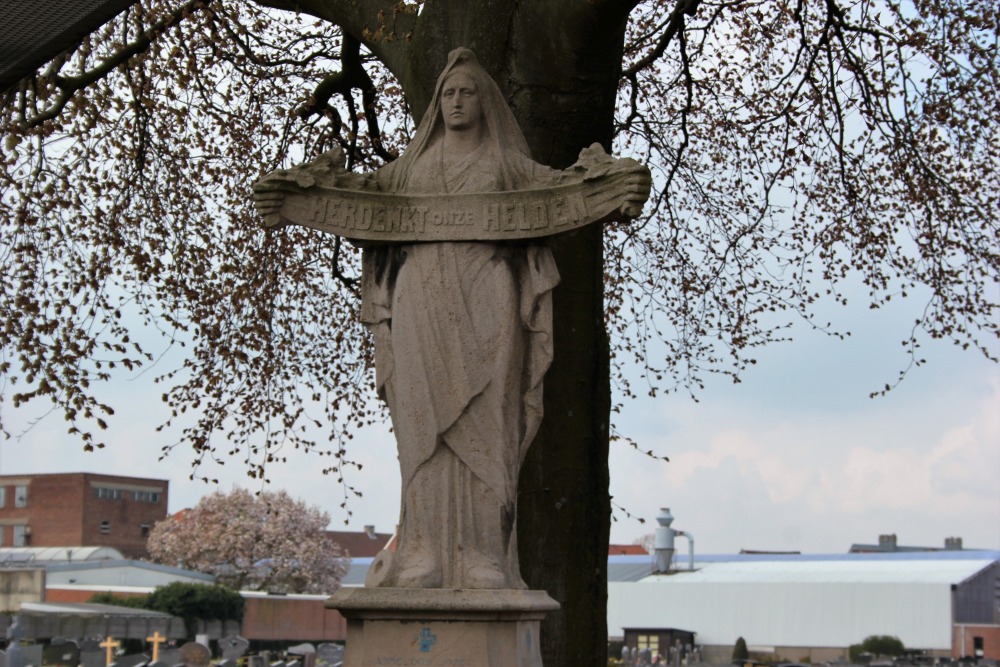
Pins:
x: 796, y: 607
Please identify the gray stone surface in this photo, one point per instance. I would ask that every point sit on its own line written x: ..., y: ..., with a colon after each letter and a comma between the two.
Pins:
x: 462, y: 330
x: 482, y: 628
x: 233, y: 647
x: 169, y: 656
x: 194, y: 654
x: 329, y: 655
x: 32, y: 655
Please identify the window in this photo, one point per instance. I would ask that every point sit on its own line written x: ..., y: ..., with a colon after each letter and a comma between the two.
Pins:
x: 144, y: 530
x: 652, y: 642
x: 21, y: 535
x: 146, y: 496
x: 21, y: 496
x: 104, y: 493
x: 105, y: 527
x: 3, y: 498
x: 1, y: 536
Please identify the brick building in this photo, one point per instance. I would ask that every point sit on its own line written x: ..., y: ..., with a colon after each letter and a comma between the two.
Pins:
x: 80, y: 509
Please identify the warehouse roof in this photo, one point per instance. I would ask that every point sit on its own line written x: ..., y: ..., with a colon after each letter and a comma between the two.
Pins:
x: 866, y: 570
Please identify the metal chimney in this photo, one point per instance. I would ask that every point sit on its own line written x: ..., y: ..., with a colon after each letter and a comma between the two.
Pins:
x: 663, y: 544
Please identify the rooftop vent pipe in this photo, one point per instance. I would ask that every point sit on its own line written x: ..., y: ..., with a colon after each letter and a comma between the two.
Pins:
x: 663, y: 544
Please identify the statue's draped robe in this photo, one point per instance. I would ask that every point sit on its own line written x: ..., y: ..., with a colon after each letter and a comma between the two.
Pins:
x: 463, y: 338
x: 463, y: 334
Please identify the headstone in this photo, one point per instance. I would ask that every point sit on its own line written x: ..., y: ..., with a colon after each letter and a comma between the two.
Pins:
x: 61, y: 654
x: 227, y: 663
x: 294, y: 663
x: 256, y: 661
x: 329, y: 655
x: 280, y: 663
x: 170, y: 656
x: 32, y: 655
x: 133, y: 660
x: 194, y: 654
x: 302, y: 649
x: 233, y: 647
x: 15, y: 633
x: 91, y: 658
x: 3, y: 659
x: 91, y: 644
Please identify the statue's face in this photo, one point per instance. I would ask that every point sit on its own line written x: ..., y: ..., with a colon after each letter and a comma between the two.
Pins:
x: 460, y: 105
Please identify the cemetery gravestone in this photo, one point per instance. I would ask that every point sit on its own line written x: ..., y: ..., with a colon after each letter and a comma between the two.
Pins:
x: 194, y: 654
x: 15, y: 633
x: 133, y: 660
x: 32, y: 654
x: 170, y: 656
x: 329, y: 655
x: 233, y: 647
x: 61, y: 653
x: 92, y: 658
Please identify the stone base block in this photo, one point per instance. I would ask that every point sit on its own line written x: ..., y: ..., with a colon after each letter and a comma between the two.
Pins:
x: 441, y: 627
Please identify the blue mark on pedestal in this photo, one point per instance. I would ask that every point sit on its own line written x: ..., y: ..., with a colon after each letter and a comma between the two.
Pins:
x: 426, y: 640
x: 529, y: 638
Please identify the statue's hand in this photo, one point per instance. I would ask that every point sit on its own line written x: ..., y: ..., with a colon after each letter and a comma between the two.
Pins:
x: 632, y: 177
x: 269, y: 192
x: 638, y: 185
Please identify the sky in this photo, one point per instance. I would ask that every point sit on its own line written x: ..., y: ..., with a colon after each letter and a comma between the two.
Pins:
x: 796, y: 457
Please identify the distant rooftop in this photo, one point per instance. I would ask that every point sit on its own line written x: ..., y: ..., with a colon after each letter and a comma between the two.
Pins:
x: 627, y: 549
x: 889, y: 543
x: 14, y: 556
x: 856, y: 570
x: 360, y: 545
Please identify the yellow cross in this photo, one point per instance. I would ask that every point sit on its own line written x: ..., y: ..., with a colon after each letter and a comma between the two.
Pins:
x: 110, y: 644
x: 156, y: 640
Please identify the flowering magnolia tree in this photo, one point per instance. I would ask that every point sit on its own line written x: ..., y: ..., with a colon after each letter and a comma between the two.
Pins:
x: 266, y: 542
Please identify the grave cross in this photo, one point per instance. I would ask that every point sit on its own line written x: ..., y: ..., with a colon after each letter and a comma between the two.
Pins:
x: 156, y: 640
x: 110, y: 644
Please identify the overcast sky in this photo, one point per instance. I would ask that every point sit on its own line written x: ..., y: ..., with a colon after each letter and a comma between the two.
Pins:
x: 796, y: 457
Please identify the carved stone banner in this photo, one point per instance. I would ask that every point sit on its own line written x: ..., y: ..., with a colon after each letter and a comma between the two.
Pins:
x: 594, y: 190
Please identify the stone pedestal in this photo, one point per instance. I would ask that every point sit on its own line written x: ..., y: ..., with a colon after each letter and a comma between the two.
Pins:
x: 442, y: 627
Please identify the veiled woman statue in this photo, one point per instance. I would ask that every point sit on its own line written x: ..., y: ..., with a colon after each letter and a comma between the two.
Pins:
x: 463, y: 338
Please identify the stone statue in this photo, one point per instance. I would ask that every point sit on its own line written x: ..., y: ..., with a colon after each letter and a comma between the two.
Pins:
x: 462, y: 324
